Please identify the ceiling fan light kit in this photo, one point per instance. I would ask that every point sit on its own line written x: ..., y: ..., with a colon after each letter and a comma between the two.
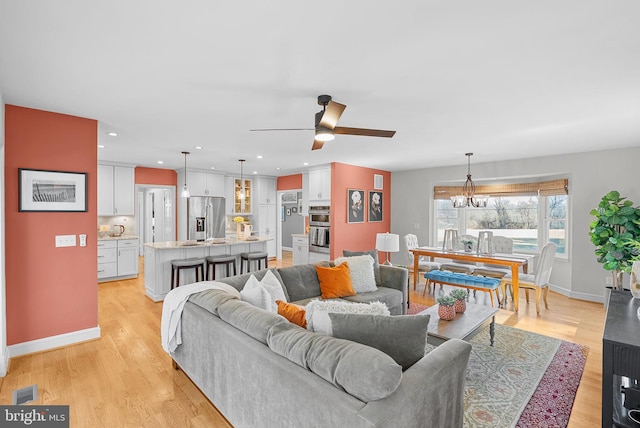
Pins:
x: 468, y: 198
x: 326, y: 121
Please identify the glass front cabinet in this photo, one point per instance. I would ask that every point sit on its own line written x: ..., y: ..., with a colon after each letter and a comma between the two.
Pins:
x: 242, y: 194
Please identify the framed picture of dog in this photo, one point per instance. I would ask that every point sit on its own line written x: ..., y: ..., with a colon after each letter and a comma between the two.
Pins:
x: 355, y: 206
x: 375, y: 206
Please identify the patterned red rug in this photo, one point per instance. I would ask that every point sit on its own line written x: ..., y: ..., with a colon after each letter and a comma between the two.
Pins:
x: 551, y: 402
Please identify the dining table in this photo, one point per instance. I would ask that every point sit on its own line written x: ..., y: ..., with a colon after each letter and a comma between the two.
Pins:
x: 509, y: 260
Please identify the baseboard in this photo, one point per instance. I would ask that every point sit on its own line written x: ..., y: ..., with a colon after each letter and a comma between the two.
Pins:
x: 576, y: 295
x: 52, y: 342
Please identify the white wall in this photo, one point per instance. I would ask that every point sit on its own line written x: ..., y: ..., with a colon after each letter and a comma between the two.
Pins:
x: 591, y: 175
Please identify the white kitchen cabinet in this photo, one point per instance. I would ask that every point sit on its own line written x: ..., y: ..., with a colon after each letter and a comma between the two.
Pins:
x: 265, y: 191
x: 127, y: 257
x: 116, y: 190
x: 300, y: 249
x: 117, y: 259
x: 236, y: 205
x: 267, y: 224
x: 204, y: 184
x: 320, y: 185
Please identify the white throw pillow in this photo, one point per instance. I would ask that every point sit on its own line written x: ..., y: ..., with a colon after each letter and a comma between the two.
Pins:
x: 317, y: 312
x: 273, y: 286
x: 256, y: 294
x: 361, y: 272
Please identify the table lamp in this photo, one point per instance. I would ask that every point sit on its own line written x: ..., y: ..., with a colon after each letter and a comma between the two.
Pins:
x: 389, y: 243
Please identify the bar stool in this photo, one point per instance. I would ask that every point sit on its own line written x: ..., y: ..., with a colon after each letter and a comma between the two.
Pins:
x: 257, y: 256
x: 178, y: 265
x: 221, y: 259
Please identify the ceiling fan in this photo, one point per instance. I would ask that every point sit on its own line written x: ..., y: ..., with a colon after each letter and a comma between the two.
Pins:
x: 326, y: 121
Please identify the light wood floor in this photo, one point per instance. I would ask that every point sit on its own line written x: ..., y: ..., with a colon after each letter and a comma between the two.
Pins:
x: 125, y: 378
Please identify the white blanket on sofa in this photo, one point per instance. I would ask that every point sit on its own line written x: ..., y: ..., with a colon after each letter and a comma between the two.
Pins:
x: 171, y: 322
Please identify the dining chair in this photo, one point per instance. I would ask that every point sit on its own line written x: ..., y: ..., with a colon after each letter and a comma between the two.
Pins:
x: 424, y: 264
x: 461, y: 266
x: 501, y: 245
x: 538, y: 281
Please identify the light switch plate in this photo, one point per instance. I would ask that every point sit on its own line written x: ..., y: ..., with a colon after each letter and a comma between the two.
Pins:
x: 65, y: 240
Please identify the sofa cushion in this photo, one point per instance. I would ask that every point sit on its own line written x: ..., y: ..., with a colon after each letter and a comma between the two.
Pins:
x: 360, y: 271
x: 247, y: 318
x: 335, y: 281
x: 389, y: 296
x: 300, y: 281
x: 255, y: 293
x: 292, y: 312
x: 401, y: 337
x: 317, y: 312
x: 362, y: 371
x: 211, y: 299
x: 376, y: 265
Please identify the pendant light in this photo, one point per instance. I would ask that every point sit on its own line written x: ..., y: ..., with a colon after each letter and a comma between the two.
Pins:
x: 468, y: 198
x: 241, y: 196
x: 185, y: 190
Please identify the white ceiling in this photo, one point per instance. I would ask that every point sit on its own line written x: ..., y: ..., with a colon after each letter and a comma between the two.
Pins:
x: 499, y: 78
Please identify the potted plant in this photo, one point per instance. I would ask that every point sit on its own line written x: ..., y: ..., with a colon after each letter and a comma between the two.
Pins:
x: 461, y: 300
x: 617, y: 222
x: 446, y: 309
x: 467, y: 244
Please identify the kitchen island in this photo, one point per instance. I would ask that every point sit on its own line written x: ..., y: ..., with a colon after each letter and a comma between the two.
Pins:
x: 158, y: 256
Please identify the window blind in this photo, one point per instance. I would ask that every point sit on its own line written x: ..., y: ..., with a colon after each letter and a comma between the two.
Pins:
x: 541, y: 188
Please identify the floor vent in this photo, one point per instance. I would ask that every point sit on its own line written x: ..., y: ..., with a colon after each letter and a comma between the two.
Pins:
x: 25, y: 395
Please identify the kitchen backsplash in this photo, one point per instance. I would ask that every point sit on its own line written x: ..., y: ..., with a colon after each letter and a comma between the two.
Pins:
x: 128, y: 222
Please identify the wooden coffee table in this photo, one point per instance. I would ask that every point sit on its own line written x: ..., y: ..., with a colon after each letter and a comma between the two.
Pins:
x: 464, y: 326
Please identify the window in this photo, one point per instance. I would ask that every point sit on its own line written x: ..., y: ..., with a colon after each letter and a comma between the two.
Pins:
x: 530, y: 220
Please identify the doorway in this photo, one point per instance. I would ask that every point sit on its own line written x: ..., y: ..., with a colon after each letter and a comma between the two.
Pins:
x: 156, y: 214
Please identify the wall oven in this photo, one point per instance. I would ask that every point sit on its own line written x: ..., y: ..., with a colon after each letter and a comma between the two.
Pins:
x: 319, y: 229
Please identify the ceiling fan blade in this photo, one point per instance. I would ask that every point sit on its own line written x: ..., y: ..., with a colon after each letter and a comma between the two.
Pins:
x: 331, y: 114
x: 283, y: 129
x: 317, y: 145
x: 364, y: 132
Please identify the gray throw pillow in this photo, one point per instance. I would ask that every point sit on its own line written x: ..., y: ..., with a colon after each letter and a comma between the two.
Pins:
x: 376, y: 265
x: 402, y: 337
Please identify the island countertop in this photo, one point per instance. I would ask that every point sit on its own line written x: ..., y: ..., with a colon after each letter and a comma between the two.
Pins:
x: 213, y: 243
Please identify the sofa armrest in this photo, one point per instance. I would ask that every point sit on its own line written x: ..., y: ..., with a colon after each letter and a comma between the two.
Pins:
x: 431, y: 392
x: 397, y: 278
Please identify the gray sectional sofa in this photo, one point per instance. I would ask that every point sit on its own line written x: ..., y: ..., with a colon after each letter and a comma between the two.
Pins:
x: 260, y: 370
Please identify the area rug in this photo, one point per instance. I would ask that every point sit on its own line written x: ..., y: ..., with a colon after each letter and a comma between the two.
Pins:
x: 524, y: 380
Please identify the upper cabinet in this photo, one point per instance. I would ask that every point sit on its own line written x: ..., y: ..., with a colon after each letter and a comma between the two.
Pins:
x: 320, y: 185
x: 265, y: 191
x: 205, y: 184
x: 237, y: 201
x: 116, y: 190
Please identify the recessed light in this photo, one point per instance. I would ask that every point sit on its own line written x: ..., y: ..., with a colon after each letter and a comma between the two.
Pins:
x: 306, y: 163
x: 198, y: 147
x: 100, y: 146
x: 112, y: 134
x: 255, y: 172
x: 213, y: 167
x: 277, y: 168
x: 259, y: 156
x: 160, y: 162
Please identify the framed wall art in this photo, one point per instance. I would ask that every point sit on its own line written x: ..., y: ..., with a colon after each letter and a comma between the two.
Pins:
x: 375, y: 206
x: 355, y: 206
x: 43, y: 191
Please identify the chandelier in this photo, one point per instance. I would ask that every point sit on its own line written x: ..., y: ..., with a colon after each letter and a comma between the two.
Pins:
x: 468, y: 198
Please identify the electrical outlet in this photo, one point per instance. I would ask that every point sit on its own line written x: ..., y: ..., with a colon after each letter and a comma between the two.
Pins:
x: 83, y: 240
x: 608, y: 280
x: 416, y: 225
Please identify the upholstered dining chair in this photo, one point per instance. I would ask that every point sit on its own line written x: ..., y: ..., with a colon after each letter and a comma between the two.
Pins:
x: 424, y: 265
x: 501, y: 245
x: 461, y: 266
x: 538, y: 281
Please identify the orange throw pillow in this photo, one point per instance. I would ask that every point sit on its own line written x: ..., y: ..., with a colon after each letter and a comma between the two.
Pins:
x: 335, y: 281
x: 294, y: 313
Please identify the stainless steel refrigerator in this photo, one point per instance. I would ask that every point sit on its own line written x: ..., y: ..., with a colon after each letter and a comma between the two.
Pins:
x: 206, y: 216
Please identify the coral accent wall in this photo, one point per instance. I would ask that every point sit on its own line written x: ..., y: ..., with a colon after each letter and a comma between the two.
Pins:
x: 49, y: 291
x: 290, y: 182
x: 356, y: 236
x: 157, y: 176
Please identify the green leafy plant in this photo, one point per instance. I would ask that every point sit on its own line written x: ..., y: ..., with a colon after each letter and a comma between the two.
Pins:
x: 459, y: 294
x: 616, y: 224
x: 446, y: 301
